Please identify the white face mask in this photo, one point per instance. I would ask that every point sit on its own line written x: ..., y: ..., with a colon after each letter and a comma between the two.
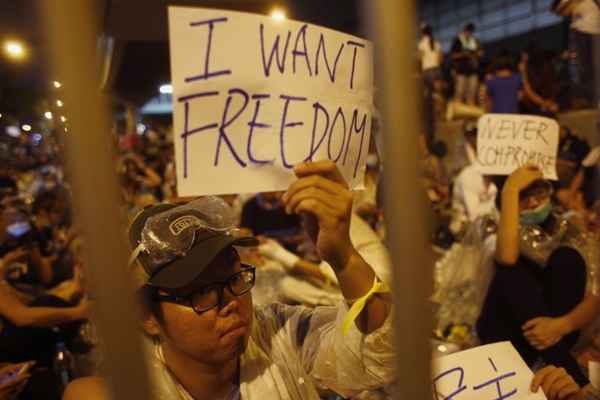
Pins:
x: 18, y: 229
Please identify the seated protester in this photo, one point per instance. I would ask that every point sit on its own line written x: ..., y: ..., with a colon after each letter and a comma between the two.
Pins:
x: 557, y: 384
x: 51, y: 230
x: 28, y: 307
x: 27, y: 329
x: 265, y: 215
x: 139, y: 182
x: 574, y: 177
x: 544, y: 290
x: 210, y: 342
x: 572, y: 150
x: 17, y: 236
x: 434, y: 174
x: 473, y: 194
x: 315, y: 284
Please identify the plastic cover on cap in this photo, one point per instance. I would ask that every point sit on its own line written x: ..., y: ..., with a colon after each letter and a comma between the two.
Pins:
x: 172, y: 233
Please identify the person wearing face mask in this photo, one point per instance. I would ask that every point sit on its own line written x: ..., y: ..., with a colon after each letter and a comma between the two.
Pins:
x: 544, y: 290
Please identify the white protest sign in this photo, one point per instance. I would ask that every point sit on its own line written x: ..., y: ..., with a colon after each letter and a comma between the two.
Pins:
x: 592, y: 158
x: 507, y: 141
x: 253, y: 96
x: 491, y: 372
x: 594, y: 373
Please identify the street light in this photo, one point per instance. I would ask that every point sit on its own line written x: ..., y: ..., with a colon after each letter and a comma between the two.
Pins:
x: 57, y: 84
x: 166, y: 88
x: 63, y: 118
x: 59, y: 103
x: 48, y: 115
x: 26, y: 127
x: 278, y: 15
x: 15, y: 50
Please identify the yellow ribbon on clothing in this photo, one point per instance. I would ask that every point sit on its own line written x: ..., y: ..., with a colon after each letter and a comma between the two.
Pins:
x: 360, y: 303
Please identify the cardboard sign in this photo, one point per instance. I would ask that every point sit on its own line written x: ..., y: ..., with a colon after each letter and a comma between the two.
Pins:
x: 506, y: 141
x: 594, y: 373
x: 491, y: 372
x: 253, y: 96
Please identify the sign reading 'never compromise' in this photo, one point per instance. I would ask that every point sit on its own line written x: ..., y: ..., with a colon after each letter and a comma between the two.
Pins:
x: 254, y: 96
x: 507, y: 141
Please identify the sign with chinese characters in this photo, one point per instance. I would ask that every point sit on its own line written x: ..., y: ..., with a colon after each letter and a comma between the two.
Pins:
x: 253, y: 96
x: 492, y: 372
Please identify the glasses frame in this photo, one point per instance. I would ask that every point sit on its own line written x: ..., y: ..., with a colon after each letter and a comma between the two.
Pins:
x: 186, y: 300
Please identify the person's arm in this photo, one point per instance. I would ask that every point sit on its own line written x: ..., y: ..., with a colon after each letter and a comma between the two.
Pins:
x: 534, y: 97
x: 507, y: 251
x: 583, y: 314
x: 544, y: 332
x: 321, y: 195
x: 10, y: 258
x: 440, y: 55
x: 150, y: 178
x: 472, y: 203
x: 22, y: 315
x: 42, y: 265
x: 487, y: 99
x: 291, y: 262
x: 557, y: 384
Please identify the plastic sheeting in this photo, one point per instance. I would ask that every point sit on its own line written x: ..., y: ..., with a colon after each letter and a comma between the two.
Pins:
x: 296, y: 353
x: 463, y: 275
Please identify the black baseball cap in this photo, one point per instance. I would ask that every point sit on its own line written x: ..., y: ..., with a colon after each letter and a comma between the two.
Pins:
x: 183, y: 270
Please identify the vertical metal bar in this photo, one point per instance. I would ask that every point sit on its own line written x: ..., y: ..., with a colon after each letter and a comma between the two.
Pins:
x: 393, y: 23
x: 72, y: 32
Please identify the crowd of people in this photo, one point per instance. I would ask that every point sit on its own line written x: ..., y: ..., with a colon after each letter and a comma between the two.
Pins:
x: 518, y: 254
x: 43, y: 305
x: 467, y: 81
x: 287, y: 294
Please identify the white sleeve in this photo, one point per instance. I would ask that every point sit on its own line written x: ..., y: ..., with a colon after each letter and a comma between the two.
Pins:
x: 346, y: 365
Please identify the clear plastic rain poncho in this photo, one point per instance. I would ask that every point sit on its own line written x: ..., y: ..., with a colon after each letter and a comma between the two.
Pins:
x: 295, y: 353
x: 538, y: 245
x: 463, y: 275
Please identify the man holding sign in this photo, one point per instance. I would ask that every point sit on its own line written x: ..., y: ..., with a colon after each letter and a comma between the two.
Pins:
x: 257, y: 103
x: 209, y: 342
x: 544, y: 290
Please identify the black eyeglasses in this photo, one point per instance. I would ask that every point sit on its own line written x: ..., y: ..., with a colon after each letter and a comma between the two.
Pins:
x: 209, y: 296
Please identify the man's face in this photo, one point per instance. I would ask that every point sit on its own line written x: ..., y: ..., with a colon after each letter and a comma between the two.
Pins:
x: 219, y: 334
